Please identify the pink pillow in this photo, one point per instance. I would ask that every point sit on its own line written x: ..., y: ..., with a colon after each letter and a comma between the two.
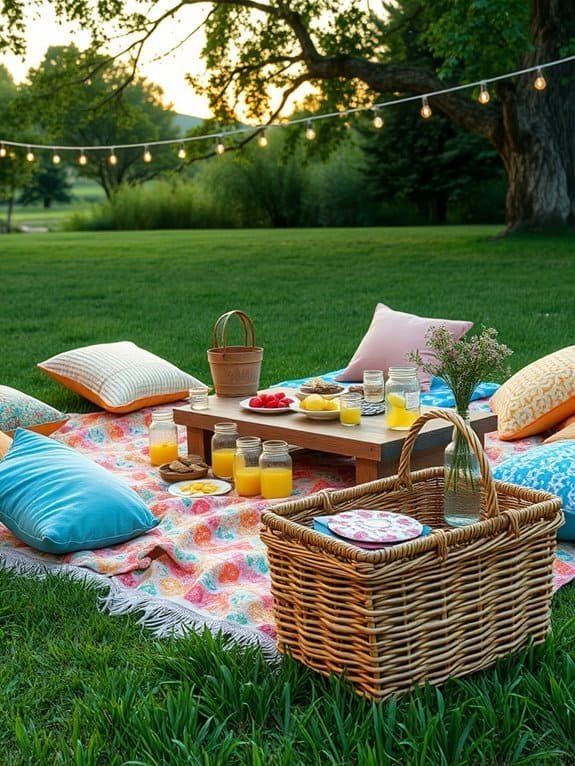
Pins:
x: 391, y: 335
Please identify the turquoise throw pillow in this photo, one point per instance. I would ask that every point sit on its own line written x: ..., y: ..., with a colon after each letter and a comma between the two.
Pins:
x: 58, y: 501
x: 549, y: 467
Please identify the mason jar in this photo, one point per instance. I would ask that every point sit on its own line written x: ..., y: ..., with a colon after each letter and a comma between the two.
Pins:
x: 373, y: 386
x: 247, y: 466
x: 402, y: 398
x: 163, y: 438
x: 276, y: 470
x: 224, y: 450
x: 350, y: 408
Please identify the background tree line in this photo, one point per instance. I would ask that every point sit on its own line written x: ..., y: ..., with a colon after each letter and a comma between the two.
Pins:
x: 408, y: 172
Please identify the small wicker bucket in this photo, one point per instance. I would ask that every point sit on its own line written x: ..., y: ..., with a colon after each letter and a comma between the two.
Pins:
x: 440, y: 606
x: 235, y: 369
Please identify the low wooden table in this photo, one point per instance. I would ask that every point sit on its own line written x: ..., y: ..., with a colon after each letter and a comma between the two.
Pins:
x: 376, y: 449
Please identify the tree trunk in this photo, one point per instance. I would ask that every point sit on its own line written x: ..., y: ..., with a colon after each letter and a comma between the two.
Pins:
x: 540, y: 176
x: 536, y: 140
x: 9, y: 212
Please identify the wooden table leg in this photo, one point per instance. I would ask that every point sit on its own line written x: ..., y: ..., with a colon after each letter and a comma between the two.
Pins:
x: 366, y: 470
x: 200, y: 443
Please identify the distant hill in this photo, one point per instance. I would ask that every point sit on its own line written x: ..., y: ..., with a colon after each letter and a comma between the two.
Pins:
x: 186, y: 122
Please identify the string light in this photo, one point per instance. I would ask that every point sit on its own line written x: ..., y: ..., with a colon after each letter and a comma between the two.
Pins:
x: 56, y: 159
x: 147, y: 155
x: 484, y: 96
x: 540, y: 82
x: 425, y: 110
x: 263, y: 139
x: 309, y: 131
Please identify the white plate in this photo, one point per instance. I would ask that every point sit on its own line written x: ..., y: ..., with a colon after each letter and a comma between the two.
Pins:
x: 315, y: 414
x: 180, y: 488
x: 375, y: 526
x: 245, y: 405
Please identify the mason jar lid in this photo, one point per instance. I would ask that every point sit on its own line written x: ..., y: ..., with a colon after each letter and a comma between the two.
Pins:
x: 402, y: 372
x: 225, y: 428
x: 275, y: 446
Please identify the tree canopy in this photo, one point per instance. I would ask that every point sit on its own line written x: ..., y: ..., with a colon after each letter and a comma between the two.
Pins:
x: 345, y: 50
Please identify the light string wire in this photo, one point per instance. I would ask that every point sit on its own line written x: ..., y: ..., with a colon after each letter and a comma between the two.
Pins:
x: 219, y: 135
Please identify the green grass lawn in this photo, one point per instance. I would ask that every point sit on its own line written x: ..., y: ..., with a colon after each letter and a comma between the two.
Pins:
x: 79, y: 687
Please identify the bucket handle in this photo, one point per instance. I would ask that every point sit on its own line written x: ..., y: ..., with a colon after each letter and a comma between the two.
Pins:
x: 221, y: 324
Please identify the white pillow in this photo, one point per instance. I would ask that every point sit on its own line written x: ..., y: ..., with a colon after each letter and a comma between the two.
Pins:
x: 119, y: 377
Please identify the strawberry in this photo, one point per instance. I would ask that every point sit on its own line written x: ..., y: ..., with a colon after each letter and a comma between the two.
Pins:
x: 287, y: 401
x: 256, y: 401
x: 279, y: 395
x: 272, y: 404
x: 284, y: 402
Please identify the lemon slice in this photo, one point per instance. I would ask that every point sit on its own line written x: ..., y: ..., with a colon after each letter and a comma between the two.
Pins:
x: 396, y: 400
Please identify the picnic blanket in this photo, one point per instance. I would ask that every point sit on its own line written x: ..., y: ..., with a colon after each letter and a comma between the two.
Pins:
x: 204, y: 564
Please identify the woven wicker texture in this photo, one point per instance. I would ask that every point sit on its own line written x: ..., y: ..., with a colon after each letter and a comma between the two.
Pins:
x: 422, y: 611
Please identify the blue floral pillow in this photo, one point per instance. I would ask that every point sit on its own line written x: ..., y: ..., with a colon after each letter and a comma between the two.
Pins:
x: 58, y: 501
x: 19, y: 410
x: 551, y: 468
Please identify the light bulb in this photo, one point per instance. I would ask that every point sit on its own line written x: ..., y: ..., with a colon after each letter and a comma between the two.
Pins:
x: 56, y: 159
x: 112, y: 159
x: 82, y: 159
x: 377, y: 119
x: 147, y: 155
x: 181, y: 153
x: 30, y: 155
x: 484, y: 96
x: 425, y: 111
x: 540, y: 82
x: 220, y: 147
x: 3, y: 151
x: 263, y: 139
x: 309, y: 132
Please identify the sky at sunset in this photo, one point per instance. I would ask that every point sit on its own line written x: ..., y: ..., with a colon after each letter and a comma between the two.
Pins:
x: 168, y: 71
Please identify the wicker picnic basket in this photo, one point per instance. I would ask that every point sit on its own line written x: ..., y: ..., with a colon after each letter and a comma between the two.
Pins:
x: 440, y: 606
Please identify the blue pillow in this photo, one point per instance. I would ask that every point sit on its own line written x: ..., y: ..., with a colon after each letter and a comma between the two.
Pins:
x: 549, y: 467
x: 58, y: 501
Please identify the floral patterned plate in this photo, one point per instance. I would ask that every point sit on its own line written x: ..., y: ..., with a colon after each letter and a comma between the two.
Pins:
x: 375, y: 526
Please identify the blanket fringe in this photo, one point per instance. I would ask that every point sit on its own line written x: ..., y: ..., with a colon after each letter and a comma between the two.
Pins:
x: 162, y: 617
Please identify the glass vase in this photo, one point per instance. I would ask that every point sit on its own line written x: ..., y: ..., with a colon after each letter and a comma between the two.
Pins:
x: 462, y: 480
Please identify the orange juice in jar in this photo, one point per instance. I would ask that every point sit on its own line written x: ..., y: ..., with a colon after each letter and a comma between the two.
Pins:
x: 276, y: 470
x: 224, y: 450
x: 246, y: 466
x: 163, y: 438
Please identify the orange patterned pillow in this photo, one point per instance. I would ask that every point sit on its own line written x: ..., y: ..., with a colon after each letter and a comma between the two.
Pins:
x: 537, y: 397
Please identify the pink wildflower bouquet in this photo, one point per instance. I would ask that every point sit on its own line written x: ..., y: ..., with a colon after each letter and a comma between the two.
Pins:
x: 463, y: 364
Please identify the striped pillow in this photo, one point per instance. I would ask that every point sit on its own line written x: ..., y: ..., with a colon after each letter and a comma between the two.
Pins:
x: 119, y: 377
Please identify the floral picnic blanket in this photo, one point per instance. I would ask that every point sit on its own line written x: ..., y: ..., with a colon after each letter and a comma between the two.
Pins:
x: 204, y: 564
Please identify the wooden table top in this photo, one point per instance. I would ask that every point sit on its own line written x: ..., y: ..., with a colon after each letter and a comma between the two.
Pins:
x: 370, y: 440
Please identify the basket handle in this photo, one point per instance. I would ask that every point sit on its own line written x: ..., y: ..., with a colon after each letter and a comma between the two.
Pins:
x: 403, y: 472
x: 221, y: 326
